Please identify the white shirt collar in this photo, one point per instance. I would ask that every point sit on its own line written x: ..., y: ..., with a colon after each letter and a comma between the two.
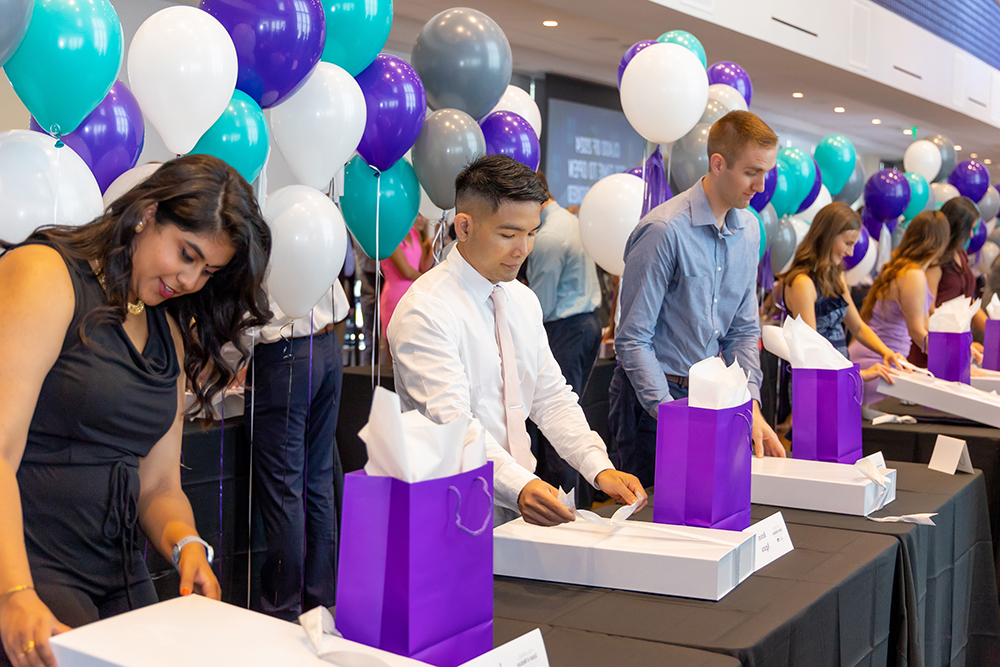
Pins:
x: 475, y: 282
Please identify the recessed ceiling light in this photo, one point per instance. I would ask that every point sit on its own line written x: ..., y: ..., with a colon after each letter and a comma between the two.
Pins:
x: 957, y: 147
x: 838, y: 109
x: 550, y: 24
x: 907, y: 131
x: 973, y: 155
x: 987, y: 161
x: 876, y: 121
x: 798, y: 95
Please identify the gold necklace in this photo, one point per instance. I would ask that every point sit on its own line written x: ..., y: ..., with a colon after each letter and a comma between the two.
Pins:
x: 133, y: 308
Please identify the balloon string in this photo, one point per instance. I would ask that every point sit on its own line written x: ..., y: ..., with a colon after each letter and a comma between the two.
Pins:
x: 377, y: 329
x: 305, y: 459
x: 253, y: 398
x: 438, y: 244
x: 645, y: 183
x: 55, y: 189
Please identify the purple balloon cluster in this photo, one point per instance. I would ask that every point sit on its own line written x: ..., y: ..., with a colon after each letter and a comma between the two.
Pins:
x: 396, y: 104
x: 971, y: 178
x: 507, y: 133
x: 886, y: 195
x: 731, y: 74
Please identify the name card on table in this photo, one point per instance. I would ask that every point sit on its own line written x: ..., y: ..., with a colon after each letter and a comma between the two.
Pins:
x: 950, y: 454
x: 525, y: 651
x: 773, y: 540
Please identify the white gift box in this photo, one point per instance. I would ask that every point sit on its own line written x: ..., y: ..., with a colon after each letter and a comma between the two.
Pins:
x: 194, y: 630
x: 634, y: 556
x: 817, y: 485
x: 955, y: 398
x: 987, y: 384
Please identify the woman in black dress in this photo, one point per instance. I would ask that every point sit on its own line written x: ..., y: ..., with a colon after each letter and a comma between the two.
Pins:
x: 102, y: 327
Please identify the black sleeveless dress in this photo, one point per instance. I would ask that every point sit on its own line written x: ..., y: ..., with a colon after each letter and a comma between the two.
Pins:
x: 101, y: 409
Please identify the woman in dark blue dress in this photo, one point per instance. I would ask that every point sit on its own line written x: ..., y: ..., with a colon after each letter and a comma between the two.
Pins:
x: 102, y: 327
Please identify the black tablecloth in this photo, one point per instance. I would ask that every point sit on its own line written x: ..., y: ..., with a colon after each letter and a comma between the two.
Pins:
x: 825, y: 603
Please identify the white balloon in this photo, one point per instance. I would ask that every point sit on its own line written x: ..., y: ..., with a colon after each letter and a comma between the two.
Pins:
x: 129, y: 180
x: 519, y: 101
x: 309, y: 242
x: 863, y: 268
x: 608, y: 214
x: 728, y: 97
x: 43, y: 185
x: 319, y: 127
x: 664, y: 91
x: 987, y: 254
x: 822, y: 199
x: 924, y: 158
x: 944, y: 191
x: 801, y: 228
x: 182, y: 70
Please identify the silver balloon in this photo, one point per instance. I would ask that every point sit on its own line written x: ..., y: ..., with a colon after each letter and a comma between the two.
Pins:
x: 783, y: 244
x: 714, y: 110
x: 994, y: 236
x: 931, y: 204
x: 769, y: 218
x: 14, y: 18
x: 854, y: 187
x: 989, y: 205
x: 897, y: 235
x: 448, y: 142
x: 947, y: 147
x: 464, y: 61
x: 690, y: 157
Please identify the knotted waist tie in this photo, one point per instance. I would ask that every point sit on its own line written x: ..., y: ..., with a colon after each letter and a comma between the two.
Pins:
x: 121, y: 519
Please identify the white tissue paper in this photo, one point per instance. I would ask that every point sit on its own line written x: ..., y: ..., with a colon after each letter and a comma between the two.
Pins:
x: 954, y: 316
x: 412, y: 448
x: 993, y: 308
x: 801, y: 346
x: 332, y: 647
x: 713, y: 385
x: 621, y: 515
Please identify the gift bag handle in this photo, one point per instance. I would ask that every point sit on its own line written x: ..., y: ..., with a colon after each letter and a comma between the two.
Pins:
x: 458, y: 508
x: 858, y: 384
x: 749, y: 424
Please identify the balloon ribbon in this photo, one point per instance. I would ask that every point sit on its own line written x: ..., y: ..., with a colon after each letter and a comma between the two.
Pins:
x: 656, y: 182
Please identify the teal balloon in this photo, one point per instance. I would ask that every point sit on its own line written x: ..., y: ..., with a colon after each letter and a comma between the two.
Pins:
x: 239, y: 137
x: 688, y: 41
x: 356, y: 31
x: 67, y: 61
x: 801, y: 173
x: 783, y: 200
x: 397, y: 193
x: 835, y: 156
x: 920, y: 191
x: 763, y: 232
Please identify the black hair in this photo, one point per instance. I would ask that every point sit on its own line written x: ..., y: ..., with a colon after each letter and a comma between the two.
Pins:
x: 495, y: 179
x: 545, y: 183
x: 962, y: 214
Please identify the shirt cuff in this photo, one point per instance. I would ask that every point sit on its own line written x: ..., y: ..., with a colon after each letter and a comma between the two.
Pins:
x: 595, y: 463
x: 508, y: 482
x: 754, y: 391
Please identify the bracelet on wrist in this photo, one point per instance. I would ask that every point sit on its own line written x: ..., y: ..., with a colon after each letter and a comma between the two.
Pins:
x: 16, y: 589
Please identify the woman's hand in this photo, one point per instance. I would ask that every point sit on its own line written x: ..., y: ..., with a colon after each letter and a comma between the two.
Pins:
x: 977, y: 353
x: 25, y: 626
x: 879, y: 371
x: 196, y: 573
x: 894, y: 359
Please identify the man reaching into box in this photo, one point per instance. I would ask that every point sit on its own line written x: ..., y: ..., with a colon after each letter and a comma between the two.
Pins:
x: 468, y: 338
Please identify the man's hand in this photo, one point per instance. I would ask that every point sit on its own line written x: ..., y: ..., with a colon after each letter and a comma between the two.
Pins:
x: 621, y: 486
x: 539, y: 504
x: 765, y: 440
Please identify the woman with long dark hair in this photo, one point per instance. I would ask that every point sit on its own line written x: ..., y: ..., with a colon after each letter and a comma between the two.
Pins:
x: 102, y: 327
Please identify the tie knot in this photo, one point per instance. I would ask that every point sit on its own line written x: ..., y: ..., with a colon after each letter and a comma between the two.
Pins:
x: 499, y: 298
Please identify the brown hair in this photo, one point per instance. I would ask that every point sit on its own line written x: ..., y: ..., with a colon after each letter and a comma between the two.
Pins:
x: 813, y: 257
x: 545, y: 183
x: 962, y: 214
x: 926, y: 236
x: 734, y: 132
x: 491, y: 180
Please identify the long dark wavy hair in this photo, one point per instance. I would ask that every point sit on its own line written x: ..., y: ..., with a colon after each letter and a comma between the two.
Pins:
x: 202, y: 195
x: 814, y: 254
x: 962, y: 215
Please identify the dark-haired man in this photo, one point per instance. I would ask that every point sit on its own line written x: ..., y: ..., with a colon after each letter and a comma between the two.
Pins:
x: 689, y: 291
x: 467, y: 338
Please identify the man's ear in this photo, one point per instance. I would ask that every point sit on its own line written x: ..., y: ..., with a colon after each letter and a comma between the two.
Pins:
x: 716, y: 163
x: 463, y: 226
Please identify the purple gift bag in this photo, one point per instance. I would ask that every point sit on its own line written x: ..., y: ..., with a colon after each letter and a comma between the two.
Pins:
x: 416, y: 566
x: 827, y: 423
x: 949, y: 355
x: 703, y: 466
x: 991, y: 346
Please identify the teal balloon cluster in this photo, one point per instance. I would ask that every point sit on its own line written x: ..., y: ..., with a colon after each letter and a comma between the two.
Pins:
x: 67, y: 61
x: 796, y: 177
x: 392, y: 197
x: 688, y: 41
x: 920, y: 192
x: 835, y: 156
x: 356, y: 31
x: 239, y: 137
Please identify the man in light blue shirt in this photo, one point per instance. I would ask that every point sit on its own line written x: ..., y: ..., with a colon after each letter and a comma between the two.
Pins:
x: 689, y: 292
x: 564, y: 278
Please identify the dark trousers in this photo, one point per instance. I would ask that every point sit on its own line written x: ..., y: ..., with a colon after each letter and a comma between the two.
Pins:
x: 575, y: 342
x: 297, y: 476
x: 633, y: 428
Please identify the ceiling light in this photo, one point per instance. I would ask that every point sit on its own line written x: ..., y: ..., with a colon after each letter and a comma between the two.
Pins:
x: 973, y: 155
x: 550, y: 24
x: 907, y: 131
x: 798, y: 95
x: 987, y: 161
x: 957, y: 147
x: 838, y: 109
x: 876, y: 121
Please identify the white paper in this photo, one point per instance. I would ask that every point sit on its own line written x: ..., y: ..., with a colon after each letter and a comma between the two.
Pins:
x: 877, y: 459
x: 954, y: 316
x: 867, y: 468
x: 924, y: 519
x: 893, y: 419
x: 774, y: 342
x: 525, y: 651
x: 993, y: 307
x: 809, y: 349
x: 568, y: 500
x: 412, y: 448
x: 714, y: 386
x: 950, y: 454
x: 773, y: 540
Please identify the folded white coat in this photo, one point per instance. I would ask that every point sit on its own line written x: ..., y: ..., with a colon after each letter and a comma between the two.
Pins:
x: 412, y: 448
x: 954, y: 316
x: 802, y: 346
x: 993, y: 308
x: 713, y: 385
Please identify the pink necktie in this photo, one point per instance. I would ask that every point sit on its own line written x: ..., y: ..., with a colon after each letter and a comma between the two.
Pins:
x: 517, y: 435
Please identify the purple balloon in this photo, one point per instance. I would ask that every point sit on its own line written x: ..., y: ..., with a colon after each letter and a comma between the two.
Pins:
x: 971, y: 178
x: 277, y: 43
x: 110, y: 139
x: 871, y: 224
x: 396, y: 104
x: 733, y: 75
x: 627, y: 58
x: 860, y: 250
x: 813, y: 192
x: 978, y: 238
x: 509, y: 134
x: 762, y: 199
x: 887, y: 194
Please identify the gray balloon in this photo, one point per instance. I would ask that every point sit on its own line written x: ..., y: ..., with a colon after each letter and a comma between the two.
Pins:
x: 14, y: 18
x: 995, y: 236
x: 897, y: 235
x: 690, y: 157
x: 947, y: 148
x: 714, y: 110
x: 782, y: 245
x: 464, y: 61
x: 769, y: 218
x: 448, y: 142
x: 931, y: 204
x: 854, y: 187
x: 989, y: 205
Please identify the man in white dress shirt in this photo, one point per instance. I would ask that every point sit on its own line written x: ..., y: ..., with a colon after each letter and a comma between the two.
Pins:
x: 446, y: 341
